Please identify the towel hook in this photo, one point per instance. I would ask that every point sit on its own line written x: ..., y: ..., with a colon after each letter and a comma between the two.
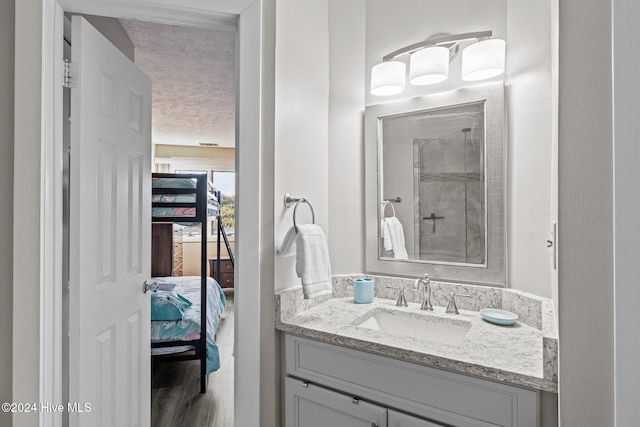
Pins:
x: 289, y: 201
x: 386, y: 203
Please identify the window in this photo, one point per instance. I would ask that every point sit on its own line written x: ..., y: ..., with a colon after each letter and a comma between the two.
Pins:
x: 226, y: 183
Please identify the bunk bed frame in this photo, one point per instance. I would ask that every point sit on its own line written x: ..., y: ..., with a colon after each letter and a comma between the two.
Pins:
x: 201, y: 216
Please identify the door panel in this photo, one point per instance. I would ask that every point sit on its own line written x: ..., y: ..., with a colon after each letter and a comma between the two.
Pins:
x: 110, y: 224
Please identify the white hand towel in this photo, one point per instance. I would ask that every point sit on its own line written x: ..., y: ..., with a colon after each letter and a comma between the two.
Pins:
x: 288, y: 245
x: 386, y: 235
x: 396, y: 237
x: 312, y: 261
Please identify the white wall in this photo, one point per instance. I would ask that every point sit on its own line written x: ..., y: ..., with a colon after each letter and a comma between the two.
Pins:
x: 7, y: 9
x: 586, y: 249
x: 627, y: 210
x: 394, y: 24
x: 530, y: 117
x: 346, y: 150
x: 526, y: 26
x: 168, y: 158
x: 191, y: 252
x: 301, y: 120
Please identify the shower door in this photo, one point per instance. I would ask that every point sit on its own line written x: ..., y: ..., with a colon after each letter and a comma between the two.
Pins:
x: 449, y: 196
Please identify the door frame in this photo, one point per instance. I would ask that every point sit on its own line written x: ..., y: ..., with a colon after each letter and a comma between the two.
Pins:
x: 48, y: 338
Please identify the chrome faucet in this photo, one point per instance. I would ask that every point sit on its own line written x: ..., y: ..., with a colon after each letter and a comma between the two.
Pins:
x: 426, y: 292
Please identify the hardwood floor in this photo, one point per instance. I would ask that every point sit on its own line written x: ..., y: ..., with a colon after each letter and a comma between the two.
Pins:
x: 175, y: 387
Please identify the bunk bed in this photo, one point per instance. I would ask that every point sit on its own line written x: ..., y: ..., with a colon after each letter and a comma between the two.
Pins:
x: 188, y: 199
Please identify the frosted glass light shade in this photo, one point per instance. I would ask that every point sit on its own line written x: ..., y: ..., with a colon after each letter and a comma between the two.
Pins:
x: 483, y: 60
x: 429, y: 66
x: 387, y: 78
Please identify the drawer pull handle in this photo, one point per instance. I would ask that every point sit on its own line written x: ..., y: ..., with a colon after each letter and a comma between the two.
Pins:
x: 305, y: 383
x: 374, y: 425
x: 355, y: 401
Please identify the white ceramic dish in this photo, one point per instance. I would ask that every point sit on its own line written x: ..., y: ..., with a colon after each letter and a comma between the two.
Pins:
x: 499, y: 317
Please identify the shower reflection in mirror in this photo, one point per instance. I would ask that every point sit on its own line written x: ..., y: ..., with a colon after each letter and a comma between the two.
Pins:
x: 441, y: 151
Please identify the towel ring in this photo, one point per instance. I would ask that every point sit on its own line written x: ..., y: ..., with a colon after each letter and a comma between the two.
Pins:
x: 386, y: 203
x: 289, y: 200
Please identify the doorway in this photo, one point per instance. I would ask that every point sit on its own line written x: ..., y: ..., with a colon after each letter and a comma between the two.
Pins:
x: 46, y: 342
x: 192, y: 73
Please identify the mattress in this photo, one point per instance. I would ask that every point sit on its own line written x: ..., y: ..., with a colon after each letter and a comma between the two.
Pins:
x: 188, y: 328
x: 188, y: 211
x: 183, y: 212
x: 174, y: 183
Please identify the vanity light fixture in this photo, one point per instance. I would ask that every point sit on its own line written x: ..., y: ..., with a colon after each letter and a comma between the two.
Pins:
x: 387, y: 78
x: 483, y: 60
x: 429, y: 62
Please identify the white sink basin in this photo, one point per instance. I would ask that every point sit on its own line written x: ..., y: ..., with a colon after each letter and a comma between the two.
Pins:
x: 428, y: 328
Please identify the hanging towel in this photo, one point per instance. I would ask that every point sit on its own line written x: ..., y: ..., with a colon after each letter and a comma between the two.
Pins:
x: 393, y: 235
x: 312, y: 261
x: 288, y: 245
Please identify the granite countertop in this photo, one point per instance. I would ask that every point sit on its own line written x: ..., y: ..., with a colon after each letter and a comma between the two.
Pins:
x: 520, y: 355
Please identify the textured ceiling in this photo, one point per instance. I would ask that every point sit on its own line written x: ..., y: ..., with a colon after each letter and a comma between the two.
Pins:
x: 193, y: 76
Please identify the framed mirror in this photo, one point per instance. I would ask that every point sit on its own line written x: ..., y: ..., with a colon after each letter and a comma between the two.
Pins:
x: 435, y: 177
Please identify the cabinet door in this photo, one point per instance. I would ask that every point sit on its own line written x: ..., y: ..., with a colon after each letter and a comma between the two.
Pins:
x: 398, y: 419
x: 308, y: 405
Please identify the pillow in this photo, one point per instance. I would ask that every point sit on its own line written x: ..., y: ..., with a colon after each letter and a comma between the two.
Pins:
x: 168, y: 305
x: 165, y: 286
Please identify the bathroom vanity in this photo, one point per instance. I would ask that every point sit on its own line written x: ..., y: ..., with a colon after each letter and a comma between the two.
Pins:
x: 328, y: 382
x: 435, y: 369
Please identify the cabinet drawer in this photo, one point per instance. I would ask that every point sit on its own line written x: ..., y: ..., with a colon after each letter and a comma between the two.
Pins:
x: 398, y: 419
x: 308, y: 405
x: 226, y: 280
x: 226, y: 272
x: 225, y: 265
x: 438, y: 395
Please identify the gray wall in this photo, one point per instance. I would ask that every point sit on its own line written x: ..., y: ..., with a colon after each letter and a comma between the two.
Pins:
x: 627, y: 209
x: 26, y: 206
x: 586, y: 215
x: 6, y: 195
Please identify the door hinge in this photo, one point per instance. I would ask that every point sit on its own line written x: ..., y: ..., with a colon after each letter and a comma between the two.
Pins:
x: 70, y: 74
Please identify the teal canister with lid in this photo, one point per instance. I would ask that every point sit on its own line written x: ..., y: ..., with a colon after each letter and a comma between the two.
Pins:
x: 363, y: 290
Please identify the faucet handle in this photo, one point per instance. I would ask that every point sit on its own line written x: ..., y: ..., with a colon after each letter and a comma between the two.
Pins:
x: 452, y: 308
x: 402, y: 301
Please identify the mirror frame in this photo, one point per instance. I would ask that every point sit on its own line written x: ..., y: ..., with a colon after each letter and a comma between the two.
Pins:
x: 494, y: 273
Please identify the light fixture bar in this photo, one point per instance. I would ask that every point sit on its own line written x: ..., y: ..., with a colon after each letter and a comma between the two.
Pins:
x: 435, y: 41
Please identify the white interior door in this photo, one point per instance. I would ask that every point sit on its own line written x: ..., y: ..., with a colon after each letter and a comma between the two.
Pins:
x: 109, y: 366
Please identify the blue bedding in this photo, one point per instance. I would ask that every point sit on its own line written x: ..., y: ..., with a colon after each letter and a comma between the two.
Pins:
x: 174, y: 183
x: 188, y: 328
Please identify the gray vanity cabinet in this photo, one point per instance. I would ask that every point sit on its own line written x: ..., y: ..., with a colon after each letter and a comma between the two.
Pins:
x: 322, y: 380
x: 308, y: 405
